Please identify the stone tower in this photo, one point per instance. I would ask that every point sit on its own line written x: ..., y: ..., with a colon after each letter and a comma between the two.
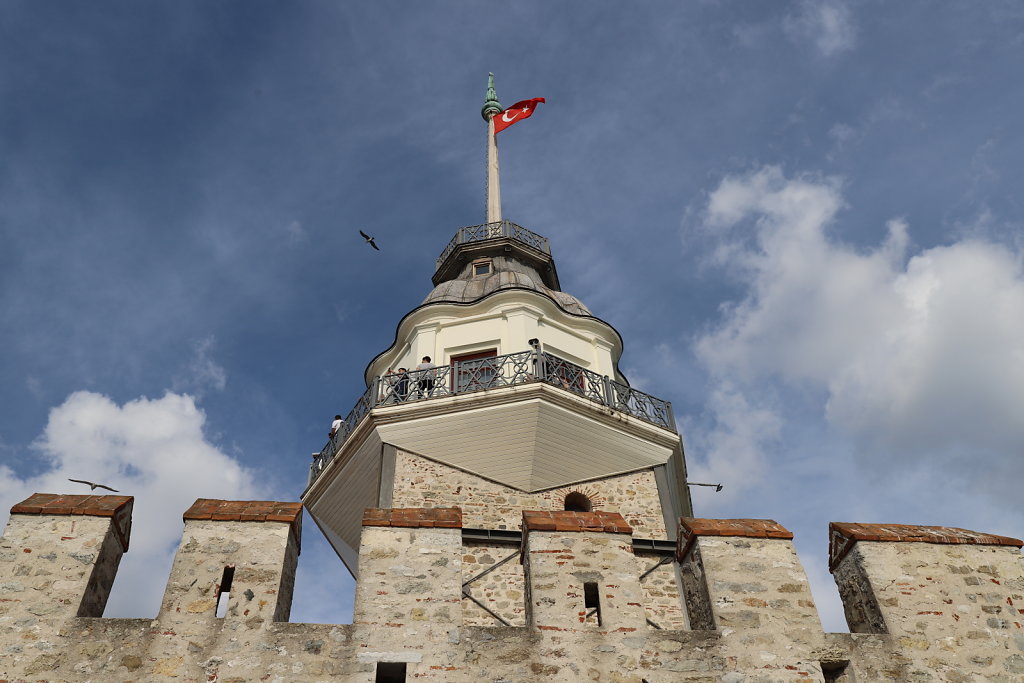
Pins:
x: 526, y: 410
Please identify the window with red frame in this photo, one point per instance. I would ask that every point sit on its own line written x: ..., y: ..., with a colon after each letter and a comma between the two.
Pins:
x: 471, y: 376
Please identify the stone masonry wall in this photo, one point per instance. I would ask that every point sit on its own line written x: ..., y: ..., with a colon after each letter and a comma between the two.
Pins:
x: 58, y: 558
x: 662, y: 601
x: 752, y: 588
x: 942, y: 592
x: 410, y: 567
x: 501, y: 590
x: 763, y: 625
x: 567, y: 553
x: 487, y: 505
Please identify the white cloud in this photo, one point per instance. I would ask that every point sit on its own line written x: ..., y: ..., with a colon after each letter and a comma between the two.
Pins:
x: 917, y: 358
x: 202, y: 372
x: 153, y: 449
x: 828, y: 24
x: 877, y: 385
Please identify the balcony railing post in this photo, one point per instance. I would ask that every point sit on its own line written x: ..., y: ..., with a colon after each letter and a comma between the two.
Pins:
x: 375, y: 393
x: 541, y: 365
x: 671, y: 417
x: 455, y: 376
x: 609, y: 397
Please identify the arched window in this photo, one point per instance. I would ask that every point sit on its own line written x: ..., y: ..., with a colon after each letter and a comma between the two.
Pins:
x: 577, y: 502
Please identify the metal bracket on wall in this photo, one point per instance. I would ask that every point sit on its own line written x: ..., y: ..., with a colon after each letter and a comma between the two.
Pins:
x: 465, y: 586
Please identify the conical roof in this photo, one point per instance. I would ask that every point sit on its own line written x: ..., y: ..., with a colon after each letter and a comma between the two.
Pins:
x: 505, y: 272
x: 484, y: 259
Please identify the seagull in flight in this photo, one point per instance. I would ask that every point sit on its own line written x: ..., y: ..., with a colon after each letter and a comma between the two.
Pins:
x: 92, y: 486
x: 369, y: 240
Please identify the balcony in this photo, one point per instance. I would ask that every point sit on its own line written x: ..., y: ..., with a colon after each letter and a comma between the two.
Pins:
x: 502, y: 238
x: 491, y: 373
x: 490, y: 231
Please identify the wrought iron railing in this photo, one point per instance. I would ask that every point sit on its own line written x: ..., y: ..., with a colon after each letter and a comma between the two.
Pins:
x: 463, y: 377
x: 490, y: 231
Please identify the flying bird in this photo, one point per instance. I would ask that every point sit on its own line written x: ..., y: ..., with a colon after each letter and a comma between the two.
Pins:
x: 369, y: 240
x: 93, y: 486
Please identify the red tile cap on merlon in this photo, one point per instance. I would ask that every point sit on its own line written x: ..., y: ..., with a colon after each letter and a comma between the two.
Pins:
x: 243, y: 510
x: 567, y: 520
x: 843, y: 535
x: 248, y: 511
x: 429, y: 518
x: 690, y: 528
x: 57, y: 504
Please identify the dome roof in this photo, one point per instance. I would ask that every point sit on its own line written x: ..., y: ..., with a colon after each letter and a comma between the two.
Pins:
x: 506, y: 273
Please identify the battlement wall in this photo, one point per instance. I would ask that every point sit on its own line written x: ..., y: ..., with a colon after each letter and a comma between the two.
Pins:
x: 936, y: 604
x: 498, y: 586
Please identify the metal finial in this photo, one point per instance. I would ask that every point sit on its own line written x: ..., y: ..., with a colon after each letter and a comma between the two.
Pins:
x: 491, y: 104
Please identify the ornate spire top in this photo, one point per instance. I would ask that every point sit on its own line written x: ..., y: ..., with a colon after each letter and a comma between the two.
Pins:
x: 491, y: 104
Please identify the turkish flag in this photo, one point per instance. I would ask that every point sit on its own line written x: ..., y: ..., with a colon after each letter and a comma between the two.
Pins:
x: 517, y: 112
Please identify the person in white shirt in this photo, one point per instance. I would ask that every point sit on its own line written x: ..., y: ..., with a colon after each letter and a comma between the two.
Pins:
x: 335, y: 426
x: 427, y: 377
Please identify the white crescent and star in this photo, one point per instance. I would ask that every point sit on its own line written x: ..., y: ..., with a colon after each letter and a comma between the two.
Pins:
x: 506, y: 119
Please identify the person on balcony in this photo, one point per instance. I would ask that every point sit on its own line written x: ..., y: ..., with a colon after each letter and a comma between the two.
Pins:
x: 402, y: 386
x: 335, y: 426
x: 426, y: 369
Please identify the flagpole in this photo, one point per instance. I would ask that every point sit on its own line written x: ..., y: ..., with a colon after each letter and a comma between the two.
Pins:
x: 492, y: 107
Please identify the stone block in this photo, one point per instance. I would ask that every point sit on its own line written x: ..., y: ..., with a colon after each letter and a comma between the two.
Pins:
x: 245, y: 549
x: 924, y: 582
x: 76, y: 541
x: 410, y: 567
x: 743, y: 577
x: 581, y: 580
x: 442, y: 518
x: 569, y: 521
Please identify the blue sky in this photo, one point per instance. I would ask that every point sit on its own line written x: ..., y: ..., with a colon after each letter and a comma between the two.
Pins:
x: 802, y: 217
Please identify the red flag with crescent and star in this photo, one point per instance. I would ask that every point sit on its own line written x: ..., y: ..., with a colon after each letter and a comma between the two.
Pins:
x: 517, y: 112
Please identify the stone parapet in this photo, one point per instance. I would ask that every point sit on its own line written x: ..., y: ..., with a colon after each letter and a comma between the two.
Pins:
x: 565, y: 520
x: 842, y: 536
x: 948, y: 602
x: 58, y: 559
x: 118, y: 508
x: 926, y: 586
x: 742, y: 577
x: 57, y: 504
x: 410, y: 569
x: 581, y: 574
x: 232, y: 575
x: 248, y: 511
x: 691, y: 528
x: 440, y: 518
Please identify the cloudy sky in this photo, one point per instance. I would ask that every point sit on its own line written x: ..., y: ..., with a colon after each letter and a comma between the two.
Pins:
x: 803, y: 217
